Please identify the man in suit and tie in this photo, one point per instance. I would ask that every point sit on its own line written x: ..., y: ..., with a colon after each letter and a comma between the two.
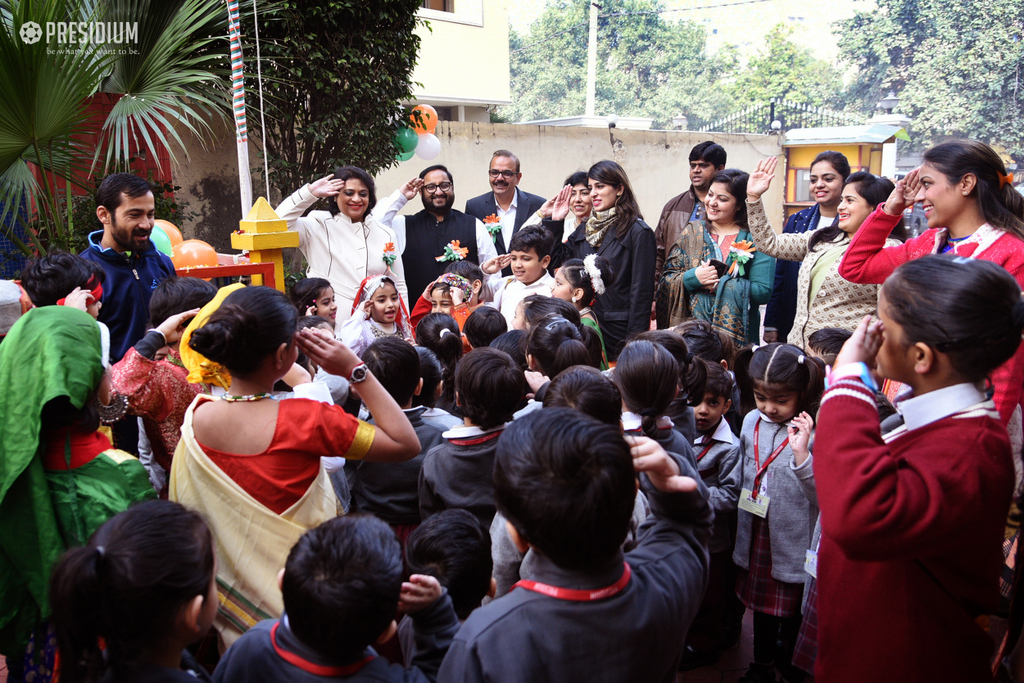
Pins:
x: 512, y: 206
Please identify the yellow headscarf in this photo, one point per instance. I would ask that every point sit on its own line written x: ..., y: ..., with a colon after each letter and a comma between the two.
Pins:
x: 200, y: 368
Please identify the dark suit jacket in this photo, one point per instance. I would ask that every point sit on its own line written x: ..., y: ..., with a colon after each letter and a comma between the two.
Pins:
x: 484, y: 206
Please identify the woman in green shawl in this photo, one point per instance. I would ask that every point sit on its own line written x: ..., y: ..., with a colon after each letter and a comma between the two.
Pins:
x: 59, y: 477
x: 714, y: 272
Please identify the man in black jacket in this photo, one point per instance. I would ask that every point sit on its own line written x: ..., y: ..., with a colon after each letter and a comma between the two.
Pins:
x: 507, y: 203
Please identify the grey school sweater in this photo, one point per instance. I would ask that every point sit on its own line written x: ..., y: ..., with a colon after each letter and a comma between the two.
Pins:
x: 390, y: 490
x: 791, y: 514
x: 636, y: 634
x: 458, y: 474
x: 718, y: 461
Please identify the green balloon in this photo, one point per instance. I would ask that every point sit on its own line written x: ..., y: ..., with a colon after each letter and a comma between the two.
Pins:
x: 406, y: 139
x: 161, y: 241
x: 405, y: 156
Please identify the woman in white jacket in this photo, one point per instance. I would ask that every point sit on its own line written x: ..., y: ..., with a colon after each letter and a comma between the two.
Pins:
x: 345, y: 244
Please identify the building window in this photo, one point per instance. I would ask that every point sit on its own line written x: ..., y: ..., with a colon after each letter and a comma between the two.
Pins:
x: 439, y: 5
x: 803, y: 185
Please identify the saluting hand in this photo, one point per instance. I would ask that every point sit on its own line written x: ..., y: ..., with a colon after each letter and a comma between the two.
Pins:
x: 761, y: 179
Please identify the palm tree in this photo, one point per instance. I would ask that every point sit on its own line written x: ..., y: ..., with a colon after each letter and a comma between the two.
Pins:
x: 173, y: 77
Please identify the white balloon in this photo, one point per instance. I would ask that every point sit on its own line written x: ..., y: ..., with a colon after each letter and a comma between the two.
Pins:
x: 429, y: 146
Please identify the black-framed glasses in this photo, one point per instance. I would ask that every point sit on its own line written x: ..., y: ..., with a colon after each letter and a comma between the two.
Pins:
x: 507, y: 175
x: 444, y: 187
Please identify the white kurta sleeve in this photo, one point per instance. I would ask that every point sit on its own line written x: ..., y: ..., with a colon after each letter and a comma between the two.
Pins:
x: 291, y: 210
x: 385, y: 211
x: 485, y: 249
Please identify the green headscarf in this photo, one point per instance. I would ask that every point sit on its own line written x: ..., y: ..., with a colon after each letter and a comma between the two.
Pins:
x: 50, y: 352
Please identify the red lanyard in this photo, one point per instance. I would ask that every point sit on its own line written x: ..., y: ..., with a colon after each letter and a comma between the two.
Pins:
x: 707, y: 448
x: 575, y: 594
x: 313, y: 668
x: 757, y: 459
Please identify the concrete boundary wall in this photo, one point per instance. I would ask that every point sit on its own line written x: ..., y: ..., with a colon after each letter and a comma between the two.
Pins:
x: 656, y: 162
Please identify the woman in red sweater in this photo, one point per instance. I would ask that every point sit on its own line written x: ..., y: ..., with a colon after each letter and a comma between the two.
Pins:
x: 973, y: 211
x: 912, y: 521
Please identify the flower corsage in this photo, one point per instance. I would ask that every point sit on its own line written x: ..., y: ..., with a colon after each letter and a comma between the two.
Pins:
x: 453, y: 251
x: 739, y: 254
x: 390, y: 254
x: 493, y: 225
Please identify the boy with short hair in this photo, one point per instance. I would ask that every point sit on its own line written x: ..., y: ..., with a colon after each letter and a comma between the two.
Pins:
x: 827, y: 342
x: 718, y: 462
x: 566, y: 483
x: 454, y: 548
x: 342, y: 586
x: 529, y: 254
x: 391, y: 490
x: 52, y: 280
x: 483, y: 326
x: 458, y: 473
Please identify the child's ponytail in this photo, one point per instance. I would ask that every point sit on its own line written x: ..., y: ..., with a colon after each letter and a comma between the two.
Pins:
x: 647, y: 376
x: 556, y: 344
x: 126, y: 587
x: 693, y: 371
x: 968, y: 309
x: 779, y: 366
x: 440, y: 333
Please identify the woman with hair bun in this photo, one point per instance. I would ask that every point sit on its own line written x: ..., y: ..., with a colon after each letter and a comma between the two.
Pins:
x: 973, y: 211
x: 251, y: 465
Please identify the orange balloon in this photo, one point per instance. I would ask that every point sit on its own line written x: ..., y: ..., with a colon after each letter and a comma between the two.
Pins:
x: 427, y: 120
x: 172, y: 231
x: 192, y: 253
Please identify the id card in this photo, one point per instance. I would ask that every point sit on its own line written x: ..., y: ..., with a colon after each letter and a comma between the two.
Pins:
x: 811, y: 563
x: 755, y: 506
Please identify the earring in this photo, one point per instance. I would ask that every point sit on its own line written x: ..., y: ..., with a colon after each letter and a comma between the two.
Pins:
x: 575, y: 299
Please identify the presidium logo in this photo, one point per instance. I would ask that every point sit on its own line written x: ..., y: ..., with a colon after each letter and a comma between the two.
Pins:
x: 81, y: 32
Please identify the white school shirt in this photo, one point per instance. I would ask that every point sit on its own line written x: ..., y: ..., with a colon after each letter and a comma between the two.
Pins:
x: 509, y: 291
x: 507, y: 218
x: 386, y: 213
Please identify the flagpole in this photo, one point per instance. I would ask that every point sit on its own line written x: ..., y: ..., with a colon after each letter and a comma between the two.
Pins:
x: 238, y: 105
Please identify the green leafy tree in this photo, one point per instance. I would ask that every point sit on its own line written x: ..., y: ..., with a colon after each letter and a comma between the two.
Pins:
x: 335, y: 75
x: 956, y: 66
x: 784, y: 69
x: 646, y: 66
x: 172, y: 77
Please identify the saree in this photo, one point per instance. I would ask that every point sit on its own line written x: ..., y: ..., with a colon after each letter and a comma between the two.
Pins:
x: 252, y: 541
x: 681, y: 297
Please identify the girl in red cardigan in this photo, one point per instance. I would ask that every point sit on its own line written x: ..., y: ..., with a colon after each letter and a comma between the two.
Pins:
x: 912, y: 521
x: 973, y: 211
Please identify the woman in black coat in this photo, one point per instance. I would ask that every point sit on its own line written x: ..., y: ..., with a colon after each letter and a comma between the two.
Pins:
x: 615, y: 230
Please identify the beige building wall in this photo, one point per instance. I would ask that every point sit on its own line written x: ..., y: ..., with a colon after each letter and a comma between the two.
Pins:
x: 464, y: 58
x: 657, y: 162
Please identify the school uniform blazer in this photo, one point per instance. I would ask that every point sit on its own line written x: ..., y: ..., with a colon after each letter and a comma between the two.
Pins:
x: 838, y: 302
x: 625, y: 307
x: 338, y: 250
x: 484, y: 205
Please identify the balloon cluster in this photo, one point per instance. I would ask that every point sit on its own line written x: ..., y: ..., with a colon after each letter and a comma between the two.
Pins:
x: 184, y: 253
x: 418, y: 137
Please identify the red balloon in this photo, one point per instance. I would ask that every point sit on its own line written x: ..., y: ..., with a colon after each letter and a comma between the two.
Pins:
x: 193, y: 253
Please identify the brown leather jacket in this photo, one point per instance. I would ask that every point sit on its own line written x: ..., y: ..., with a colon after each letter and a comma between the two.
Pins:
x: 674, y: 218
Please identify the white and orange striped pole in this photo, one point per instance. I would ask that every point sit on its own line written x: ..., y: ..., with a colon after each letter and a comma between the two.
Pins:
x: 238, y: 105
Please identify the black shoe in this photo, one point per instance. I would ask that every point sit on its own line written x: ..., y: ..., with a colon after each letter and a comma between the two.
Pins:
x: 759, y: 673
x: 732, y: 628
x: 695, y: 659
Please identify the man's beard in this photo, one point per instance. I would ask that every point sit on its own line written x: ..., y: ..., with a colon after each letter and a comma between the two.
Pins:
x: 428, y: 204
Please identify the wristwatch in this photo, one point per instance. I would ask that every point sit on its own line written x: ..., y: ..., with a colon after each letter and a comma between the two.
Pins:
x: 358, y: 373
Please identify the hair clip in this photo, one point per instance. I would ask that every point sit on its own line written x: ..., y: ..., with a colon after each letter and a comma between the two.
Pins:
x: 801, y: 358
x: 555, y: 322
x: 594, y: 273
x: 443, y: 330
x: 101, y: 551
